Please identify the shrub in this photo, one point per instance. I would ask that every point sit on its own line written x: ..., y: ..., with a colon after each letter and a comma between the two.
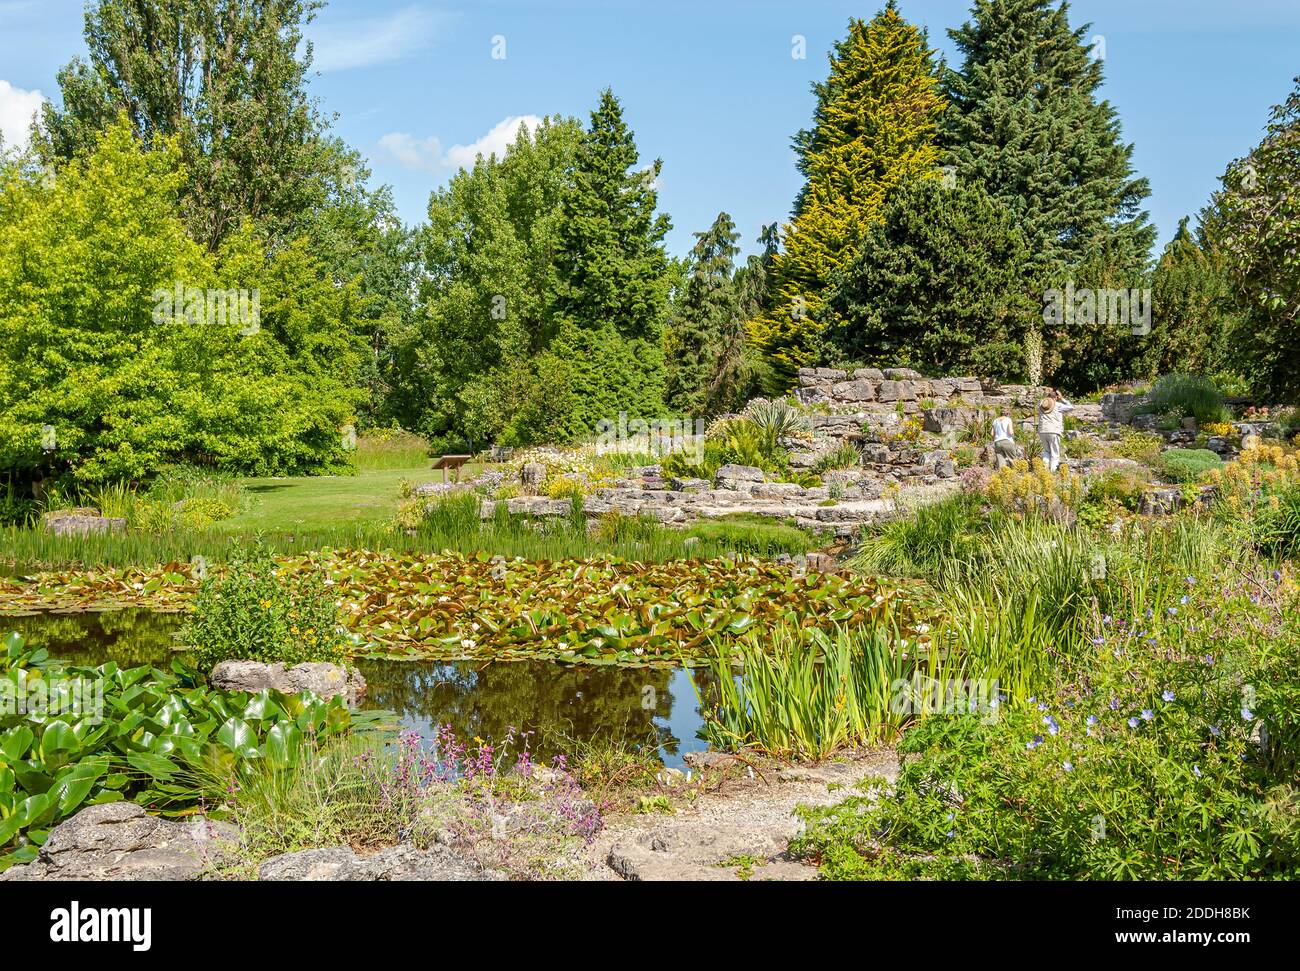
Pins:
x: 1025, y: 486
x: 256, y: 612
x: 1258, y: 473
x: 1120, y: 487
x: 1138, y: 446
x: 1147, y: 764
x: 1186, y: 395
x: 846, y: 456
x: 757, y: 536
x: 1188, y: 464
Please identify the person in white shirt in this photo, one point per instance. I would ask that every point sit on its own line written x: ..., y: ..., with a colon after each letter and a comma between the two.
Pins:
x: 1051, y: 426
x: 1005, y: 449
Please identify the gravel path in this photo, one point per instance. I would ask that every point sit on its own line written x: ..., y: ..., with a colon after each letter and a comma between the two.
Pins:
x: 745, y: 819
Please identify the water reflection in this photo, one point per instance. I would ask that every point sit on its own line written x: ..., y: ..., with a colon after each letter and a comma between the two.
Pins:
x: 558, y: 703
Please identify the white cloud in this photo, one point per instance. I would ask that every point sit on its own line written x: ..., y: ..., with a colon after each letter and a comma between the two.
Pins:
x: 339, y: 45
x: 17, y: 107
x: 427, y: 154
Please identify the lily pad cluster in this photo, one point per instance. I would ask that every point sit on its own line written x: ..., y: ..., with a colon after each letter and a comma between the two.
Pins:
x: 454, y: 606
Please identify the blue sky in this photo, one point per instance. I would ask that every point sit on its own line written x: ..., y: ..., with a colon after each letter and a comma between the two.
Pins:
x: 710, y: 86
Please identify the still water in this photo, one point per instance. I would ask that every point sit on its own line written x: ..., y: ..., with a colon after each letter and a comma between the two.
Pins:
x: 560, y: 704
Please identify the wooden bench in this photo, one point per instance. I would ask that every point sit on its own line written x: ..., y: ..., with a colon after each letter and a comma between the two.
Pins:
x: 453, y: 462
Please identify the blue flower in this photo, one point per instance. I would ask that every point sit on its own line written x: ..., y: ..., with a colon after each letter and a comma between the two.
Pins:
x: 1042, y: 706
x: 1183, y: 599
x: 1114, y: 704
x: 1034, y: 742
x: 1067, y: 766
x: 1196, y: 771
x: 1216, y: 731
x: 1246, y: 714
x: 1092, y: 719
x: 1191, y: 581
x: 1099, y: 640
x: 952, y: 833
x: 1277, y: 576
x: 1133, y: 723
x: 1167, y: 695
x: 1171, y: 611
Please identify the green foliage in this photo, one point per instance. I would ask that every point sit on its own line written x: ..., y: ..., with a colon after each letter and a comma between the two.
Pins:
x: 939, y: 285
x: 1143, y: 765
x: 1255, y: 220
x: 1026, y: 77
x: 1193, y: 326
x: 92, y: 346
x: 753, y: 535
x: 874, y: 127
x: 1186, y: 395
x: 252, y: 611
x: 230, y: 89
x: 1138, y: 446
x: 1277, y: 525
x: 1121, y: 487
x: 704, y: 318
x: 806, y: 696
x: 1187, y: 464
x: 106, y: 734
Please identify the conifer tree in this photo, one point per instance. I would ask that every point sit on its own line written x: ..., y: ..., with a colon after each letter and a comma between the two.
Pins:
x: 702, y: 319
x: 874, y: 126
x: 1193, y: 317
x: 613, y: 277
x: 1026, y: 123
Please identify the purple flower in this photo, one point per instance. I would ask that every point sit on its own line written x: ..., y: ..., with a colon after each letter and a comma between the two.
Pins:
x: 1092, y: 719
x: 1114, y: 704
x: 1277, y: 576
x: 1034, y: 742
x: 1167, y: 695
x: 1067, y: 766
x: 1246, y: 714
x: 1133, y: 723
x: 1196, y: 771
x: 1147, y: 714
x: 1216, y: 731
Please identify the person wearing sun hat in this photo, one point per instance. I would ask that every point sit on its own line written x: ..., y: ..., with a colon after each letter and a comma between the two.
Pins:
x: 1051, y: 426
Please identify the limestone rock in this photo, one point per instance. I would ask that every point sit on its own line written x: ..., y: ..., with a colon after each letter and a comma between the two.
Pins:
x: 120, y: 841
x: 324, y: 680
x: 403, y: 862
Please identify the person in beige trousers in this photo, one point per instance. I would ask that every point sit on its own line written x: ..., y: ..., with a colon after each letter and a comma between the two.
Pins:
x: 1051, y: 426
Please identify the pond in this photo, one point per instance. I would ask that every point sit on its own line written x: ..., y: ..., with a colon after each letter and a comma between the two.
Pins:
x: 561, y: 704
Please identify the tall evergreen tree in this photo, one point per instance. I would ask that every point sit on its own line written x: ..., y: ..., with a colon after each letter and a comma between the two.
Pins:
x: 938, y: 286
x: 701, y: 318
x: 874, y: 126
x: 1193, y: 318
x: 612, y: 278
x: 1027, y: 124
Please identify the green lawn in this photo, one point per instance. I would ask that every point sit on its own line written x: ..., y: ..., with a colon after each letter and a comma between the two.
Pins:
x: 309, y: 502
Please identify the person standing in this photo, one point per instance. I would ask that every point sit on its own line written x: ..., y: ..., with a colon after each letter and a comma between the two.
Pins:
x: 1051, y: 426
x: 1005, y: 449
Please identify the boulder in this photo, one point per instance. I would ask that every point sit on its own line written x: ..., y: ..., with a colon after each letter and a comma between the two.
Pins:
x: 868, y: 374
x: 737, y: 476
x: 120, y: 841
x: 902, y: 374
x: 1118, y: 407
x: 322, y: 679
x: 403, y: 862
x: 854, y: 391
x: 942, y: 421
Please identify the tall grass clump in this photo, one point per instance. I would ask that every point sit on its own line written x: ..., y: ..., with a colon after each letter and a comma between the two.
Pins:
x: 808, y: 694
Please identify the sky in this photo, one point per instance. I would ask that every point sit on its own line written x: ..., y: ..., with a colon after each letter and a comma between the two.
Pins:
x: 712, y: 87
